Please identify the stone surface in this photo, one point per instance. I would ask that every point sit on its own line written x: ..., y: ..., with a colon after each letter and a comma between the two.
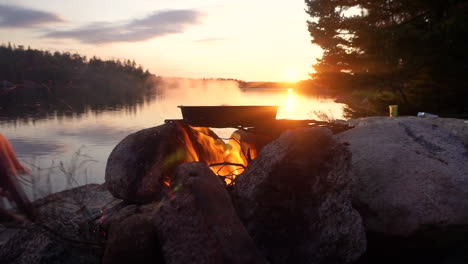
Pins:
x: 457, y: 127
x: 133, y: 240
x: 294, y: 200
x: 410, y: 175
x: 198, y: 224
x: 251, y: 141
x: 66, y: 230
x: 138, y: 166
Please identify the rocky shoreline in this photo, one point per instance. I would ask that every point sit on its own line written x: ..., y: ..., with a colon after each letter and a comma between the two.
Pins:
x: 390, y: 190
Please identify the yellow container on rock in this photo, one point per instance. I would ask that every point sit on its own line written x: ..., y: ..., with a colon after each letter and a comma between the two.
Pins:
x: 393, y: 110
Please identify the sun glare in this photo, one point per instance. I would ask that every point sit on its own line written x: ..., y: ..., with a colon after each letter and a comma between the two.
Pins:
x: 290, y: 101
x: 292, y: 75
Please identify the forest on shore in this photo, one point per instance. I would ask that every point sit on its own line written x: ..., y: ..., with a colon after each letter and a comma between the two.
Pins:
x: 40, y: 81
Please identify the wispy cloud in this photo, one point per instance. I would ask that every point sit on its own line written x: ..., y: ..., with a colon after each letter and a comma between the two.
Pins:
x: 157, y: 24
x: 21, y: 17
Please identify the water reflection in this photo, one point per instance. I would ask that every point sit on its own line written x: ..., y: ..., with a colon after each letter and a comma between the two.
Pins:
x: 101, y: 134
x: 45, y: 138
x: 36, y: 147
x: 289, y: 105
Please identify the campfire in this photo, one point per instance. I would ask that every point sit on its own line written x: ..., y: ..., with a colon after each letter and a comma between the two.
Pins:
x: 256, y: 127
x: 284, y: 194
x: 147, y: 160
x: 226, y: 160
x: 226, y: 157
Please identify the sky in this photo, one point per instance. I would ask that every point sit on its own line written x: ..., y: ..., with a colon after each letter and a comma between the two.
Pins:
x: 261, y: 40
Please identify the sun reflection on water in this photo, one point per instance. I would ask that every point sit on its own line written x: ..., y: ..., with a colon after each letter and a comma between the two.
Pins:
x: 290, y: 101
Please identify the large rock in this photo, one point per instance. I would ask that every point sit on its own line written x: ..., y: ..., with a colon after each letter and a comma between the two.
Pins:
x: 140, y: 164
x: 66, y: 230
x: 133, y: 240
x: 295, y: 200
x: 410, y: 175
x: 457, y: 127
x: 198, y: 224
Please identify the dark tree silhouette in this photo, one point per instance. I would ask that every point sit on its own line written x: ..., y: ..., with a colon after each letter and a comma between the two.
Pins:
x: 415, y: 50
x: 32, y: 78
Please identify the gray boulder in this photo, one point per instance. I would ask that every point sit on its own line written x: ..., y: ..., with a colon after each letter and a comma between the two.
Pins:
x: 295, y: 200
x: 133, y: 240
x: 457, y: 127
x: 410, y: 174
x: 66, y: 230
x: 198, y: 224
x: 138, y: 166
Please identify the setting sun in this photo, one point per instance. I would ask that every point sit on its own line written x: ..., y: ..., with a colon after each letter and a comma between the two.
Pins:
x: 292, y: 75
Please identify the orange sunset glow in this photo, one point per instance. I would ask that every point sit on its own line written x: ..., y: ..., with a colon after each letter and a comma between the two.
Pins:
x: 207, y: 39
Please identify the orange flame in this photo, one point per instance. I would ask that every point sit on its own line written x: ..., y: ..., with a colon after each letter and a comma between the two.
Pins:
x: 225, y: 159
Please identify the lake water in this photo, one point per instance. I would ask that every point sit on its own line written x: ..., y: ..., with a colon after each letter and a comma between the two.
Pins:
x: 70, y: 149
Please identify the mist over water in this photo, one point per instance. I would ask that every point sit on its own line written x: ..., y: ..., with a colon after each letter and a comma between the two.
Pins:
x: 212, y: 92
x: 42, y: 142
x: 202, y: 92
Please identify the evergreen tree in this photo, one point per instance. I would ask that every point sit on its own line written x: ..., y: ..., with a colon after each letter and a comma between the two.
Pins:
x: 416, y: 49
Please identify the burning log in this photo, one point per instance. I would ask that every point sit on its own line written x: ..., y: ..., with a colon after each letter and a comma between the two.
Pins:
x: 225, y: 160
x: 252, y: 142
x: 294, y: 200
x: 199, y: 225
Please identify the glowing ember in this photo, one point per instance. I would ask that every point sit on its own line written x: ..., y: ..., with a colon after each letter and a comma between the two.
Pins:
x: 225, y: 159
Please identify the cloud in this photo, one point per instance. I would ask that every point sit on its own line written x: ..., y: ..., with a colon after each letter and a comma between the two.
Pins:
x: 21, y: 17
x: 157, y: 24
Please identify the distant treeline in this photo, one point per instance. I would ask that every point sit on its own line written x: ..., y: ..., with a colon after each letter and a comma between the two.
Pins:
x: 30, y: 77
x: 304, y: 86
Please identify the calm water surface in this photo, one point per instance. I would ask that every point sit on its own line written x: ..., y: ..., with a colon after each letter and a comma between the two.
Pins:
x: 78, y: 144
